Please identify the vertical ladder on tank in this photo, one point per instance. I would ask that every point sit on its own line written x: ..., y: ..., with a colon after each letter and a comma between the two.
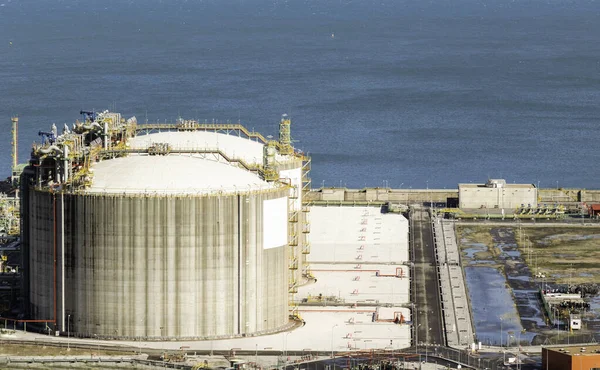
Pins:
x: 306, y: 204
x: 293, y: 240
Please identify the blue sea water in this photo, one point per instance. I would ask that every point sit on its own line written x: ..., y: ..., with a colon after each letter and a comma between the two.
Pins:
x: 411, y: 92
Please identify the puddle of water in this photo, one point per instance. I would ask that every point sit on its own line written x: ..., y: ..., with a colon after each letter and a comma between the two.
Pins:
x: 474, y: 248
x: 521, y: 284
x: 530, y: 309
x: 470, y: 252
x: 493, y: 307
x: 520, y: 278
x: 509, y: 250
x: 481, y: 262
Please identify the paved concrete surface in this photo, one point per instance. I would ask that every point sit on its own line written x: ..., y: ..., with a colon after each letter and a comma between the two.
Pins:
x: 455, y: 302
x: 426, y: 290
x: 369, y: 284
x: 359, y: 258
x: 354, y: 235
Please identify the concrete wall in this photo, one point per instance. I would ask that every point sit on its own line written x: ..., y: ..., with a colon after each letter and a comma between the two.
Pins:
x: 505, y: 197
x: 439, y: 195
x: 402, y: 196
x: 150, y: 267
x: 569, y: 195
x: 591, y: 196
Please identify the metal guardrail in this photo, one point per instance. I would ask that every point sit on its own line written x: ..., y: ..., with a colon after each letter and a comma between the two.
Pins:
x: 87, y: 360
x: 135, y: 359
x: 202, y: 127
x: 374, y: 203
x: 215, y: 151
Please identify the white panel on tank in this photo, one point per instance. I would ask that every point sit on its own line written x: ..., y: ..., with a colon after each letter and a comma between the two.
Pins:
x: 275, y: 223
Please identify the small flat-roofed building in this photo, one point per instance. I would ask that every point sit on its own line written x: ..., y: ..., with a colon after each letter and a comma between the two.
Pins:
x: 496, y: 193
x: 575, y: 321
x: 571, y: 358
x: 594, y: 210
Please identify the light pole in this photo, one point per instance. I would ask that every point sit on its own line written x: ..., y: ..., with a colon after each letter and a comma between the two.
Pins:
x: 427, y: 187
x: 519, y: 350
x: 414, y: 319
x: 285, y: 348
x: 557, y: 321
x: 416, y: 328
x: 501, y: 331
x: 332, y: 331
x: 98, y: 344
x: 68, y: 333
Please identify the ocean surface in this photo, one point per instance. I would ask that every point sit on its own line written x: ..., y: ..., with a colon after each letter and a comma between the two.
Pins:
x: 403, y: 92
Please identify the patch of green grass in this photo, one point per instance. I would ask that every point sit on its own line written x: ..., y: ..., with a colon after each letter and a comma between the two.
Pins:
x: 484, y: 256
x: 562, y: 254
x: 468, y: 235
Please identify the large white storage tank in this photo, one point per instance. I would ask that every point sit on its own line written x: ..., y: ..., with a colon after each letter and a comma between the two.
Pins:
x: 189, y: 244
x: 291, y: 169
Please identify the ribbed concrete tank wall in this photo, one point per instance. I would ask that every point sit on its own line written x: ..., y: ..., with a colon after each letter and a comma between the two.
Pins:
x: 150, y: 266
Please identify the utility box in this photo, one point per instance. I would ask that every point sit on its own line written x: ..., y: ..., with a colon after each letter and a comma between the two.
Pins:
x: 575, y: 321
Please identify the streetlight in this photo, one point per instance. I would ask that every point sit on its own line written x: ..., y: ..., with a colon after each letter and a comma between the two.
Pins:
x: 68, y: 332
x: 364, y: 343
x: 416, y: 326
x: 557, y: 322
x: 285, y: 348
x: 501, y: 332
x: 332, y: 328
x: 519, y: 350
x: 98, y: 344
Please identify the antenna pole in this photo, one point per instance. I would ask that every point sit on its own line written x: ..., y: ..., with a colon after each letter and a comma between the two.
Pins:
x: 15, y: 143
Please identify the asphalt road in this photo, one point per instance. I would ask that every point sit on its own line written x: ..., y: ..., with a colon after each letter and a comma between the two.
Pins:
x: 426, y: 292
